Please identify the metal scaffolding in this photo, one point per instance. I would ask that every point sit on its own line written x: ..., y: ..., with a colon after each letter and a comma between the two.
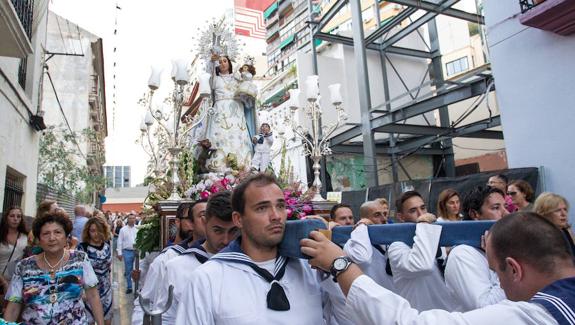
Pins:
x: 406, y: 139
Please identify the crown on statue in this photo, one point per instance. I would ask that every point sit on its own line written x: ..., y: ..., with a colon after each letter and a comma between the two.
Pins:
x: 249, y: 60
x: 218, y: 39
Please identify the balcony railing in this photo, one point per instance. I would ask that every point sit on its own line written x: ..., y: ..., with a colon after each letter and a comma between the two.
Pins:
x: 24, y: 10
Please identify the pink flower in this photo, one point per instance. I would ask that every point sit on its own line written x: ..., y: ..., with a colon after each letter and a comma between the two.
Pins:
x: 214, y: 189
x: 204, y: 195
x: 291, y: 201
x: 301, y: 215
x: 224, y: 182
x: 289, y: 212
x: 307, y: 208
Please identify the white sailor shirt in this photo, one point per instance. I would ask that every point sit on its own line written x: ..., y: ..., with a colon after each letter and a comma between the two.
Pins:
x: 374, y: 305
x: 416, y: 275
x: 470, y: 281
x: 227, y: 293
x: 178, y: 274
x: 372, y: 261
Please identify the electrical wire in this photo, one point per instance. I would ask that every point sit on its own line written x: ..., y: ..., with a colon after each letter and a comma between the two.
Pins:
x: 64, y: 115
x: 61, y: 34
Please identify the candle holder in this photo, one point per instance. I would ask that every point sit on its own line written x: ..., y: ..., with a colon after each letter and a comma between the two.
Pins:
x: 316, y: 139
x: 169, y: 120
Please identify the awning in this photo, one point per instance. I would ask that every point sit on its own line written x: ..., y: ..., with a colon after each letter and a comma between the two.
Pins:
x: 287, y: 41
x: 270, y: 10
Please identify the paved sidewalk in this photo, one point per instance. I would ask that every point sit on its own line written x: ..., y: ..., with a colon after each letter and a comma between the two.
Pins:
x: 123, y: 303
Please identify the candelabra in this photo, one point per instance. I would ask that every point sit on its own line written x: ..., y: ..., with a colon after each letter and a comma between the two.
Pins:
x: 153, y: 150
x: 316, y: 143
x: 169, y: 120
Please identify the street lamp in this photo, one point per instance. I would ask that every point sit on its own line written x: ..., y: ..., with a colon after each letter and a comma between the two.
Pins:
x: 316, y: 142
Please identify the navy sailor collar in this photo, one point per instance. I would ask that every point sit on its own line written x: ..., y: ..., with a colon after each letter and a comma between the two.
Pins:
x: 276, y: 297
x: 198, y: 251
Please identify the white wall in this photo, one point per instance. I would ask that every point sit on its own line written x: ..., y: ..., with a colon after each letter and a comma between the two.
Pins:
x: 18, y: 141
x: 71, y: 76
x: 534, y: 73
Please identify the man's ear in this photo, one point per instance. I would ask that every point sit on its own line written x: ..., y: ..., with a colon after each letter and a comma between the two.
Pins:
x: 237, y: 219
x: 399, y: 216
x: 515, y: 267
x: 177, y: 222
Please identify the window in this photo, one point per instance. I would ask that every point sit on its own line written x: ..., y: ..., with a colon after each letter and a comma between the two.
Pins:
x: 14, y: 189
x: 118, y: 176
x: 457, y: 66
x: 109, y: 171
x: 126, y: 176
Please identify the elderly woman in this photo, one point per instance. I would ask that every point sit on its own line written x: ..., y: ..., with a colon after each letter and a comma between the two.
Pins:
x: 47, y: 288
x: 555, y: 208
x: 96, y: 243
x: 522, y: 195
x: 448, y: 205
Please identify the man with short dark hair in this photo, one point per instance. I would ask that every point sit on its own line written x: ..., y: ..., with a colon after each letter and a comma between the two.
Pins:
x: 418, y: 270
x: 529, y: 254
x: 467, y: 275
x: 220, y: 231
x: 341, y: 214
x: 248, y: 282
x: 484, y: 203
x: 188, y: 215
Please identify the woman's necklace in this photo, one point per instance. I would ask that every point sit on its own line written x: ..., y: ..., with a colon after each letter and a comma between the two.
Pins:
x: 53, y: 288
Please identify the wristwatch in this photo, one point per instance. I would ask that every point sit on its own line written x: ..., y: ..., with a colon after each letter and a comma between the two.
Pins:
x: 339, y: 265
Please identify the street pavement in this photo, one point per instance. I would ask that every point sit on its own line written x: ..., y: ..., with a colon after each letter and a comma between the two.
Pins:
x: 123, y: 303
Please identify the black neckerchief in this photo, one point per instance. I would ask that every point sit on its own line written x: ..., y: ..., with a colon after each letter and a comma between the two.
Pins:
x: 276, y: 297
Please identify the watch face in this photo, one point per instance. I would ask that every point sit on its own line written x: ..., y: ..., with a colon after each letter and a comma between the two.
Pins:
x: 339, y: 264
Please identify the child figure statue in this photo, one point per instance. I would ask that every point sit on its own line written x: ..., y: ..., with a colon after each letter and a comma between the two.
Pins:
x: 263, y: 144
x: 247, y: 92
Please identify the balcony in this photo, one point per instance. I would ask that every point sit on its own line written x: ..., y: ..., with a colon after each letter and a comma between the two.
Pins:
x: 16, y: 28
x: 557, y: 16
x: 284, y: 6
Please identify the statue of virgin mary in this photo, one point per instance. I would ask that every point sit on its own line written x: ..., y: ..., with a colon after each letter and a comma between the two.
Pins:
x: 225, y: 127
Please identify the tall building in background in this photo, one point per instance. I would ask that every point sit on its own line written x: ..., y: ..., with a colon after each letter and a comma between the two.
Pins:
x: 74, y: 92
x: 117, y: 176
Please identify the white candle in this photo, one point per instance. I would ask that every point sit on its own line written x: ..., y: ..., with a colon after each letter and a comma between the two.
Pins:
x: 312, y: 87
x: 205, y: 84
x: 182, y: 75
x: 149, y: 119
x: 294, y: 98
x: 335, y: 94
x: 155, y: 76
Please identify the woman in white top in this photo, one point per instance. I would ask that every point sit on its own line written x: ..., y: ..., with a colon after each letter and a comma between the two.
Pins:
x: 13, y: 241
x: 448, y: 206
